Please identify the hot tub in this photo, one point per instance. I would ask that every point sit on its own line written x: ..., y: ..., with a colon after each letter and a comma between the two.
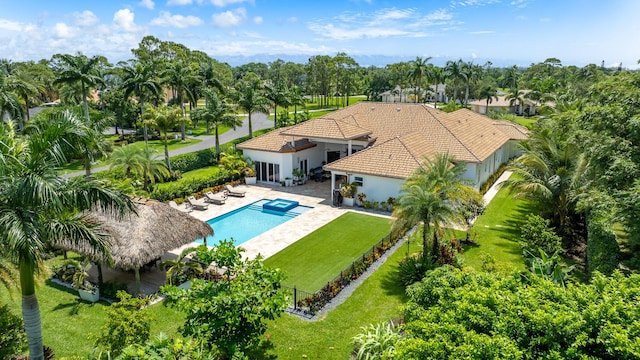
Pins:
x: 281, y: 205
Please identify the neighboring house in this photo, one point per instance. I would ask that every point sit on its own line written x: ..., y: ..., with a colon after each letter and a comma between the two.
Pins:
x: 408, y: 95
x: 379, y: 145
x: 527, y: 108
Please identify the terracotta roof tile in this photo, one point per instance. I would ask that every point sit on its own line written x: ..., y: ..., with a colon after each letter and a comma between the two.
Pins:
x: 512, y: 130
x: 327, y: 128
x: 274, y: 141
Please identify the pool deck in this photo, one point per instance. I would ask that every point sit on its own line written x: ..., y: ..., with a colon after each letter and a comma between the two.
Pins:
x: 315, y: 195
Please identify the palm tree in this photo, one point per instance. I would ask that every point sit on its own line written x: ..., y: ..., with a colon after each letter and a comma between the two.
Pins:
x: 39, y: 208
x: 435, y: 195
x: 515, y: 97
x: 164, y: 119
x: 552, y: 173
x: 297, y: 99
x: 217, y: 113
x: 92, y: 144
x: 249, y: 98
x: 128, y: 159
x: 179, y: 270
x: 453, y: 71
x: 138, y: 80
x: 178, y: 75
x: 488, y: 92
x: 79, y: 69
x: 277, y: 94
x: 419, y: 70
x: 25, y: 86
x: 438, y: 76
x: 9, y: 102
x: 511, y: 77
x: 153, y: 168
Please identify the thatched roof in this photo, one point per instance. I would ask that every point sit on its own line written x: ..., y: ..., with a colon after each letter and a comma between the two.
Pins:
x: 139, y: 239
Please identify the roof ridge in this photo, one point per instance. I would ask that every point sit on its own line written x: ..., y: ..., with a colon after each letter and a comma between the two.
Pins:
x: 454, y: 135
x: 409, y: 149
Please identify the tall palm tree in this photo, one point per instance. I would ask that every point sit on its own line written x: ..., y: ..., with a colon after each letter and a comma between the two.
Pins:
x: 438, y: 76
x: 489, y: 93
x: 39, y: 208
x: 217, y: 113
x: 297, y: 99
x: 511, y: 77
x: 79, y: 69
x: 25, y: 86
x: 453, y: 71
x: 153, y: 168
x: 178, y: 75
x: 435, y: 195
x: 277, y: 94
x: 92, y: 144
x: 515, y: 97
x: 164, y: 119
x: 138, y: 80
x: 419, y: 70
x: 249, y: 98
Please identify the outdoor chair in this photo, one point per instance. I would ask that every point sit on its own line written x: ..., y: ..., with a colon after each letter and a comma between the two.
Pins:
x: 217, y: 198
x: 197, y: 204
x: 231, y: 191
x: 174, y: 205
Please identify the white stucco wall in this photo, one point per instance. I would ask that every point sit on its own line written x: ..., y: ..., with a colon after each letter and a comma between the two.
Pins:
x: 379, y: 188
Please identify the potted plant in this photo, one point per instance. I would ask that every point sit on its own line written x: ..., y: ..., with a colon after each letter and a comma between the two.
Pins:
x: 348, y: 191
x: 79, y: 280
x: 288, y: 181
x: 298, y: 176
x: 361, y: 198
x: 249, y: 175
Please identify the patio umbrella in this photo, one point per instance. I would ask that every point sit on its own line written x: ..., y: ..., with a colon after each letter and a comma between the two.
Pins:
x: 139, y: 239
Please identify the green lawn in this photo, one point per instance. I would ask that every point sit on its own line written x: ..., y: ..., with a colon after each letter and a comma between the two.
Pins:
x: 527, y: 122
x: 312, y: 261
x: 497, y: 231
x: 378, y: 299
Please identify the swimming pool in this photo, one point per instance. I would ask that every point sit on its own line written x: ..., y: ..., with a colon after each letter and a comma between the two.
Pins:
x: 248, y: 222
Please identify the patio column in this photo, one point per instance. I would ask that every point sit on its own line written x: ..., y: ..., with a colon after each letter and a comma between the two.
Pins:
x: 293, y: 142
x: 349, y: 147
x: 333, y: 184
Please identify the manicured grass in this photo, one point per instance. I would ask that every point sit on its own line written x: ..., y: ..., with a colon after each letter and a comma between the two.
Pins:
x: 497, y: 232
x: 209, y: 171
x: 312, y: 261
x: 527, y: 122
x: 376, y: 300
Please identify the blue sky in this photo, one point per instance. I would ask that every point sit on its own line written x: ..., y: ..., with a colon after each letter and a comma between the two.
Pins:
x: 504, y: 31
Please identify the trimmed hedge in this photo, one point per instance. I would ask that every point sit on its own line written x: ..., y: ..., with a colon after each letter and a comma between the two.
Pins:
x: 603, y: 251
x: 182, y: 188
x: 492, y: 179
x: 194, y: 160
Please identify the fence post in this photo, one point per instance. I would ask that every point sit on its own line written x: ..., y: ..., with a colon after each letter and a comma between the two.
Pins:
x: 295, y: 298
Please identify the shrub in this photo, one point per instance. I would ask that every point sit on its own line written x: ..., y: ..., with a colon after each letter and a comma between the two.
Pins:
x: 412, y: 268
x: 376, y: 342
x: 537, y: 234
x: 194, y: 160
x: 109, y: 289
x: 492, y: 179
x: 603, y: 252
x: 12, y: 335
x: 189, y: 186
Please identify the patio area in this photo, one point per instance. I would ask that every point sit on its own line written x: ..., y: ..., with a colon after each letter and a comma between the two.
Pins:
x: 313, y: 194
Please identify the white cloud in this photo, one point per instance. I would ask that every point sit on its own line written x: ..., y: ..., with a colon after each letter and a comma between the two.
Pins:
x: 179, y: 2
x: 10, y: 25
x: 292, y: 19
x: 383, y: 23
x: 123, y: 19
x: 64, y: 31
x: 85, y: 18
x: 473, y: 3
x: 248, y: 48
x: 482, y: 32
x: 223, y: 3
x: 257, y: 20
x: 149, y: 4
x: 229, y: 18
x: 167, y: 20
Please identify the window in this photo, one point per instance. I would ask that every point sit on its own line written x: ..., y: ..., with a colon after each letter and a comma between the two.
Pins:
x: 267, y: 171
x: 358, y: 180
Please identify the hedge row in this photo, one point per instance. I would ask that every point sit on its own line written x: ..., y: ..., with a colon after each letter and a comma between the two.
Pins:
x: 180, y: 189
x: 492, y: 179
x: 194, y: 160
x: 603, y: 251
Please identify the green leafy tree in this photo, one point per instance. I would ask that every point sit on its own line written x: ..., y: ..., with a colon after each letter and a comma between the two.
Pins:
x: 249, y: 98
x: 164, y: 119
x: 488, y: 93
x: 278, y: 95
x: 153, y: 168
x: 127, y: 324
x: 39, y: 208
x: 178, y: 75
x: 454, y: 314
x: 9, y: 101
x: 537, y: 234
x: 435, y: 195
x: 129, y: 159
x: 419, y: 71
x: 229, y: 315
x: 12, y: 336
x: 138, y: 81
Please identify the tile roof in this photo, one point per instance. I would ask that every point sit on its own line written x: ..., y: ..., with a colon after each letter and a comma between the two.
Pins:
x: 397, y: 157
x: 413, y: 130
x: 274, y: 141
x: 327, y: 128
x: 512, y: 130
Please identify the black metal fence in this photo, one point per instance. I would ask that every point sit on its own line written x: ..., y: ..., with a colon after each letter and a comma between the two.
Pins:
x: 306, y: 303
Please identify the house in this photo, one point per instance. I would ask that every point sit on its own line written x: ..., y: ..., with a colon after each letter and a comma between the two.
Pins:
x: 379, y: 145
x: 504, y: 105
x: 409, y: 95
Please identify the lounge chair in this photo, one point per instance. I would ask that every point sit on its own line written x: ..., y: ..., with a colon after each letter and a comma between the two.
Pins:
x: 231, y: 191
x: 176, y: 206
x: 217, y: 198
x: 197, y: 204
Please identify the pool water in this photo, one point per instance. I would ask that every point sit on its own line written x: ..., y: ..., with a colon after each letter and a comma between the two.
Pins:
x: 248, y: 222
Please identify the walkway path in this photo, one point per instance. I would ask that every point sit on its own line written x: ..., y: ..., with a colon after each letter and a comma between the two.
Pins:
x: 258, y: 120
x: 493, y: 190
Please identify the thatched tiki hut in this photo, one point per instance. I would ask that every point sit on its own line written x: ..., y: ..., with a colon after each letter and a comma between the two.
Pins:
x: 136, y: 240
